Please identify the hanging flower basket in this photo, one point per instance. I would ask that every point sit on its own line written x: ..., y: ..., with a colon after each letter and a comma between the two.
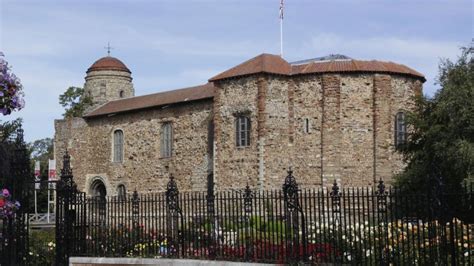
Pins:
x: 8, y: 207
x: 11, y: 90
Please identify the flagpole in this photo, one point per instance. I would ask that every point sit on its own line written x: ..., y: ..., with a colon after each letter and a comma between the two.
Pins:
x: 281, y: 37
x: 281, y: 28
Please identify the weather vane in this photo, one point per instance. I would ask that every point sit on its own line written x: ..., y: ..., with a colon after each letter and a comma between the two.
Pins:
x: 108, y: 48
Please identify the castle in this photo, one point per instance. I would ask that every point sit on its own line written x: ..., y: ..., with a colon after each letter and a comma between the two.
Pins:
x: 331, y: 119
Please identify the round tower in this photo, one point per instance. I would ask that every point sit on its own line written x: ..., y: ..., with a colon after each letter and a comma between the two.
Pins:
x: 108, y: 79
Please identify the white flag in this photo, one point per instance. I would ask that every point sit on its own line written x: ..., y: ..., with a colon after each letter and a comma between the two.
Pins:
x: 281, y: 9
x: 52, y: 170
x: 37, y: 174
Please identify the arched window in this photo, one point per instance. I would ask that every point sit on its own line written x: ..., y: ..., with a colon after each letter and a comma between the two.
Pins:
x: 121, y: 94
x: 166, y: 140
x: 242, y: 131
x: 118, y: 146
x: 121, y: 192
x: 400, y: 129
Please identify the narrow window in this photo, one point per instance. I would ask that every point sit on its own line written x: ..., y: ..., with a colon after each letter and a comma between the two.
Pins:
x: 166, y: 140
x: 121, y: 94
x: 103, y: 88
x: 242, y: 131
x: 306, y: 125
x: 118, y: 146
x: 400, y: 129
x: 121, y: 192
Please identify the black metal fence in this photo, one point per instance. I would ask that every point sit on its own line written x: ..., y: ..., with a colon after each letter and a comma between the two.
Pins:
x: 342, y: 226
x: 14, y: 171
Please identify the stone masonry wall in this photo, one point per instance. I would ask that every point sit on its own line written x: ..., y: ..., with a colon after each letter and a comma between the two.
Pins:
x: 350, y: 136
x: 235, y: 166
x: 331, y: 128
x: 357, y: 137
x: 306, y: 160
x: 114, y: 81
x: 142, y: 168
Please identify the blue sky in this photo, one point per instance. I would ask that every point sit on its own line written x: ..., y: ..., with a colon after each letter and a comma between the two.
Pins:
x: 170, y: 44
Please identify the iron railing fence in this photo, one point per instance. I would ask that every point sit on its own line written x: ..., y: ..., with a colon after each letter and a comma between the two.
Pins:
x: 368, y: 226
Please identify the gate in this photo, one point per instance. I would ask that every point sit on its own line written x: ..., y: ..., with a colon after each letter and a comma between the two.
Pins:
x: 70, y: 216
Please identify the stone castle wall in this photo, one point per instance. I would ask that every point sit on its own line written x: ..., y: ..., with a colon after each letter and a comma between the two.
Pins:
x: 90, y: 146
x: 349, y: 138
x: 327, y: 127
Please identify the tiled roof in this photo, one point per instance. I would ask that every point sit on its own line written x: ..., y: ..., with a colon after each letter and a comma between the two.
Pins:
x: 338, y: 66
x: 274, y: 64
x: 108, y: 63
x: 152, y: 100
x: 264, y: 63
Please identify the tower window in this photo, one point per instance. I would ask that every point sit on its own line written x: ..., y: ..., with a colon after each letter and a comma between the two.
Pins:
x: 400, y: 129
x: 242, y: 131
x: 118, y: 146
x: 166, y: 140
x: 121, y: 94
x: 103, y: 88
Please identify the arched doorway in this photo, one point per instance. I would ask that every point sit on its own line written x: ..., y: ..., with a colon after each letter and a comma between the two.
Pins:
x: 98, y: 189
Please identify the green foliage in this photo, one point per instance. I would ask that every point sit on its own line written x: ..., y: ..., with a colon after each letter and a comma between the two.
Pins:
x: 441, y: 142
x: 42, y: 247
x: 8, y: 128
x: 74, y: 101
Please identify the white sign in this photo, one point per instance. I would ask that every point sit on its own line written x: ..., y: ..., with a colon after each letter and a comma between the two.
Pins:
x: 52, y: 171
x: 37, y: 175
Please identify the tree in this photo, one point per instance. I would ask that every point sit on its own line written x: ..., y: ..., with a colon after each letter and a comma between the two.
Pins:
x: 440, y: 147
x: 74, y: 101
x: 41, y: 151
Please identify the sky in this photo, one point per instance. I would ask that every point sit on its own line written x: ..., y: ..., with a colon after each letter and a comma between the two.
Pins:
x: 170, y: 44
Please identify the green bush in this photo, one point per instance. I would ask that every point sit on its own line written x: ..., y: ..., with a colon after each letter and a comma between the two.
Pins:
x: 42, y: 247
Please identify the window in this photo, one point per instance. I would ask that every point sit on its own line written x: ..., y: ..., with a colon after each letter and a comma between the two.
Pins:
x: 121, y: 192
x: 166, y: 140
x: 242, y: 131
x: 103, y: 88
x: 400, y: 129
x: 118, y: 146
x: 306, y: 125
x: 121, y: 94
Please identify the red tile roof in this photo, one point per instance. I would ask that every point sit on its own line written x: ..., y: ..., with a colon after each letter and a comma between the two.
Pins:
x: 274, y: 64
x: 108, y: 63
x: 201, y: 92
x: 343, y: 66
x: 264, y: 63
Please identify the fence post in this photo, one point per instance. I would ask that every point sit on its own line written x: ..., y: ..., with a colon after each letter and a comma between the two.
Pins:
x: 292, y: 207
x: 19, y: 189
x: 66, y: 189
x: 210, y: 203
x: 174, y: 214
x: 135, y: 209
x: 336, y: 216
x: 248, y: 198
x: 381, y: 195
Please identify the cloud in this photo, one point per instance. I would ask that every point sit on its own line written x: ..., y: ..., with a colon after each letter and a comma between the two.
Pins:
x: 388, y: 47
